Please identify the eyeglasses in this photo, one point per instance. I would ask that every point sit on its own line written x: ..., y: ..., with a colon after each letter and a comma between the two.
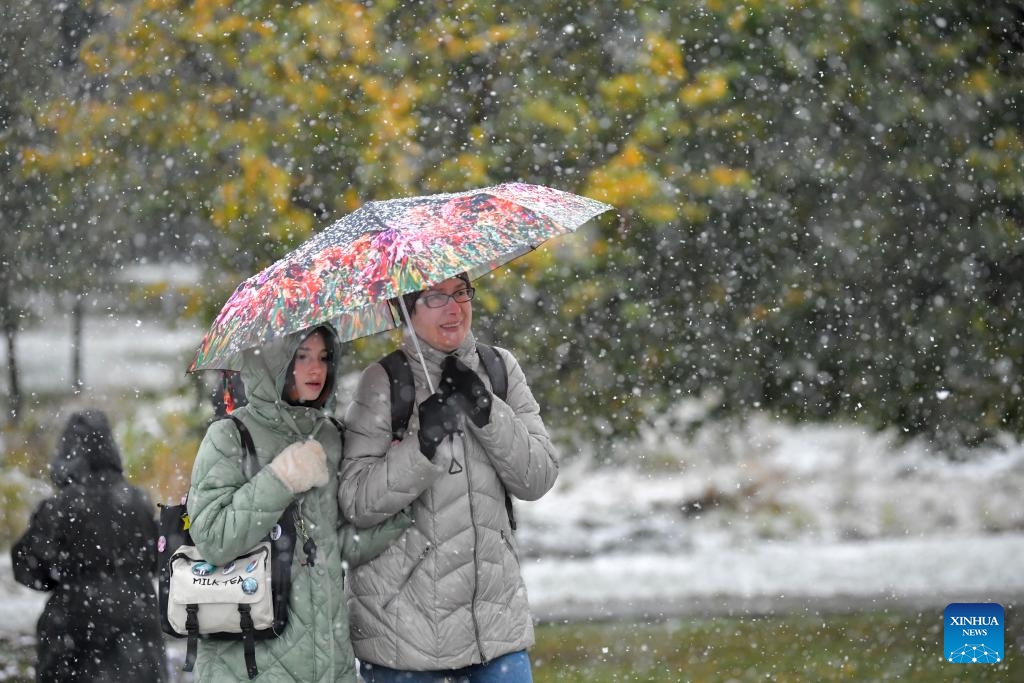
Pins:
x: 440, y: 299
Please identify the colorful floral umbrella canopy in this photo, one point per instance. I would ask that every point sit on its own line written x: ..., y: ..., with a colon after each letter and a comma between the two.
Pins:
x: 346, y: 273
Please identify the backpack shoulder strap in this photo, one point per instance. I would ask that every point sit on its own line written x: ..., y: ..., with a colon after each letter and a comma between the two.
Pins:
x: 250, y: 465
x: 494, y: 365
x: 341, y: 430
x: 403, y: 391
x: 496, y: 370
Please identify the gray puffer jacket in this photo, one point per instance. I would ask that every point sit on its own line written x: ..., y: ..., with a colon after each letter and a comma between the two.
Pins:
x: 449, y: 593
x: 230, y: 512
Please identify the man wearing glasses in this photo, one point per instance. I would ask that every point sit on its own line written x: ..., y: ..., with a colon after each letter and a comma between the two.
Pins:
x: 447, y: 600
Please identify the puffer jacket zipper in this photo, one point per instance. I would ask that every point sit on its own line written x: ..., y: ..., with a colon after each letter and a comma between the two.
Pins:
x: 408, y: 577
x: 476, y: 544
x: 511, y: 548
x: 309, y: 584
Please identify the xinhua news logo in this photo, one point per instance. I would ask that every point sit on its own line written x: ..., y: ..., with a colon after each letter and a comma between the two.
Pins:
x: 973, y: 633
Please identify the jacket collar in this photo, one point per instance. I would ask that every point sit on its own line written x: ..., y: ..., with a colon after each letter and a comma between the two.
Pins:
x: 434, y: 357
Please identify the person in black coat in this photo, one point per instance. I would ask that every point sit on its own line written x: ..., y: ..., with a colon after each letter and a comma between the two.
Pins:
x: 93, y: 545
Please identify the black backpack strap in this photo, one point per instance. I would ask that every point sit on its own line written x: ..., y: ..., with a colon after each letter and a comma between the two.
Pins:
x: 248, y: 641
x: 403, y: 391
x: 250, y: 464
x: 497, y: 372
x: 341, y: 430
x: 340, y: 427
x: 494, y: 365
x: 192, y: 629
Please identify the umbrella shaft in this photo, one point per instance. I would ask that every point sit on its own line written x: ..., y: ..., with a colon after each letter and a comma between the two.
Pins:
x: 416, y: 342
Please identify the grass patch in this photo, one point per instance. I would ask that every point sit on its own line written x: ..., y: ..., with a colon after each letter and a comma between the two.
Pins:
x: 863, y: 646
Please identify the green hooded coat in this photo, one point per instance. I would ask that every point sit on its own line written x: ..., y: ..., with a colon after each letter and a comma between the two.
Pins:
x: 231, y: 512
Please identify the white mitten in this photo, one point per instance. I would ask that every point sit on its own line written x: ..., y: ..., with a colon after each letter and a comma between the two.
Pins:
x: 301, y: 466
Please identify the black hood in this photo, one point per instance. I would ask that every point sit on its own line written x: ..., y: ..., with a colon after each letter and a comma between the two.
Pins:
x: 86, y: 446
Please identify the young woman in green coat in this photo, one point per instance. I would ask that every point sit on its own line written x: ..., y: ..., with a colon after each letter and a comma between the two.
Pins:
x: 290, y: 385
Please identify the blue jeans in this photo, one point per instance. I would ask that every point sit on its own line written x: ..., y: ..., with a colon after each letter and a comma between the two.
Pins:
x: 511, y: 668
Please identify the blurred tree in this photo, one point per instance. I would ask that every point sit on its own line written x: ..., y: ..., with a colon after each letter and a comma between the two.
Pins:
x: 887, y: 184
x: 819, y: 200
x: 248, y: 122
x: 811, y: 222
x: 34, y: 47
x: 61, y: 211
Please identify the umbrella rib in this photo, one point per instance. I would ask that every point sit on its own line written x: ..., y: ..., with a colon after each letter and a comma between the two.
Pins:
x: 373, y: 212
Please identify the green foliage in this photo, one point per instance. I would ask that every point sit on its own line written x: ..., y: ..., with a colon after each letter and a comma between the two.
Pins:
x: 819, y: 202
x: 19, y: 496
x: 28, y: 445
x: 24, y: 474
x: 158, y: 452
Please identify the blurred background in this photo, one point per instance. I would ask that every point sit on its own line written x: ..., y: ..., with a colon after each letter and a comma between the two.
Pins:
x: 811, y: 286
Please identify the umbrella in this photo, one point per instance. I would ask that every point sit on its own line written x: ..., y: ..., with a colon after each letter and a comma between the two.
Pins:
x: 345, y: 274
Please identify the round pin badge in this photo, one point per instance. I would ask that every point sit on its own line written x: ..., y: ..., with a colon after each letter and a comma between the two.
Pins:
x: 275, y: 532
x: 203, y: 568
x: 161, y: 544
x: 250, y: 585
x: 251, y: 567
x: 229, y: 568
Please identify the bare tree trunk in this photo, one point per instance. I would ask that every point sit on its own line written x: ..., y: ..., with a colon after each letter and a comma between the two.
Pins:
x: 8, y: 320
x: 76, y: 345
x: 13, y: 385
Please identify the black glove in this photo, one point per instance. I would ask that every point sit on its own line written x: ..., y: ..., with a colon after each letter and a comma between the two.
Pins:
x: 467, y: 389
x: 438, y: 419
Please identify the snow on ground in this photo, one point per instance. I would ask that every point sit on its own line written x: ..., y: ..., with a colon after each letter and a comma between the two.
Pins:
x: 768, y: 516
x: 767, y: 480
x: 780, y: 577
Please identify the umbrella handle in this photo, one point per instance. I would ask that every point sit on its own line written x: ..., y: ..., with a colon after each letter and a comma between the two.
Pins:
x: 416, y: 342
